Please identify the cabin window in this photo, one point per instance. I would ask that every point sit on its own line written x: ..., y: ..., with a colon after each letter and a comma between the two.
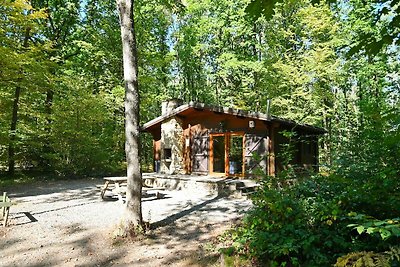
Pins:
x: 167, y: 153
x: 236, y: 154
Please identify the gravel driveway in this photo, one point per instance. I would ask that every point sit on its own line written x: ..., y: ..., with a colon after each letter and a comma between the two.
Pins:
x: 65, y: 223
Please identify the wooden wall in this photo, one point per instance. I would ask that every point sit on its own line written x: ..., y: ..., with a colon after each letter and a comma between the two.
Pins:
x: 263, y: 143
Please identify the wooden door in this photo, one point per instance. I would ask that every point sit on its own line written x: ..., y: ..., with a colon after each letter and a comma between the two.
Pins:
x: 200, y: 154
x: 218, y: 154
x: 227, y: 154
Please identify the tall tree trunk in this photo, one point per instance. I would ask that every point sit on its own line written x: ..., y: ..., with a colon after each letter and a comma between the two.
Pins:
x: 47, y: 147
x: 13, y: 128
x: 164, y: 66
x: 14, y: 118
x: 133, y: 210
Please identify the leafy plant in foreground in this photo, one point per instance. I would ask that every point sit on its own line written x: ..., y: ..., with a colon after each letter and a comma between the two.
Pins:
x: 309, y: 224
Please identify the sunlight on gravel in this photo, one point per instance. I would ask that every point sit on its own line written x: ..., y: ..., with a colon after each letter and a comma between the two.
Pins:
x: 67, y: 221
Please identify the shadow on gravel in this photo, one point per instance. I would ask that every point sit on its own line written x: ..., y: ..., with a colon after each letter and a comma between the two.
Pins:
x: 77, y: 246
x: 5, y: 243
x: 31, y: 217
x: 194, y: 224
x: 50, y: 187
x: 180, y: 214
x: 145, y: 197
x: 198, y: 257
x: 154, y: 197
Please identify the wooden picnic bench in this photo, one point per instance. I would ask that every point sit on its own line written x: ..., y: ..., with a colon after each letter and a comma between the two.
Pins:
x: 117, y: 182
x: 5, y: 205
x: 118, y: 186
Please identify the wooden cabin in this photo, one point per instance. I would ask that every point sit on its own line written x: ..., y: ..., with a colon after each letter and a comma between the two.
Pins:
x: 203, y: 139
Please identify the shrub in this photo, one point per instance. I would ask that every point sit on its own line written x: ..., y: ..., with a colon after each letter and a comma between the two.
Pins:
x: 308, y: 223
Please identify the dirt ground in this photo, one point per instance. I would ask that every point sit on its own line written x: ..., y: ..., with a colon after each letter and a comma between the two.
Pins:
x: 66, y: 223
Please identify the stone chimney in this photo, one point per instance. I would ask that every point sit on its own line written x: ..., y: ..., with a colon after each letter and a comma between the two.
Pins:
x: 171, y: 139
x: 169, y: 105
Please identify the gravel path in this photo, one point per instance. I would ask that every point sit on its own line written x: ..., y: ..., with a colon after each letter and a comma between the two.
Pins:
x: 65, y: 223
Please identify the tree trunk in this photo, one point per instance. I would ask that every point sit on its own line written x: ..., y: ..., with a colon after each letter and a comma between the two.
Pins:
x: 133, y: 210
x: 13, y: 128
x: 14, y: 118
x: 47, y: 147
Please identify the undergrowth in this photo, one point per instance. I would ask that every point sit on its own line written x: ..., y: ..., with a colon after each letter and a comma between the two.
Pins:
x: 314, y: 223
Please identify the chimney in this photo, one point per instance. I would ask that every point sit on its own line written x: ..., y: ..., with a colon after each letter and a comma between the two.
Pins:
x: 169, y: 105
x: 268, y: 108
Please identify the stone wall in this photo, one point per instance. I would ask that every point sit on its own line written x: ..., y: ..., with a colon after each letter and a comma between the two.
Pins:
x: 172, y: 147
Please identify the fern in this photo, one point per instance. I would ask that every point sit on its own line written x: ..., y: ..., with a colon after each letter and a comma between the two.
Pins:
x: 393, y: 254
x: 363, y: 259
x: 369, y: 259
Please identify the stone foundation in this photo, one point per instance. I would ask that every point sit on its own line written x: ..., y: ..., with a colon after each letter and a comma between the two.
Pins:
x: 189, y: 183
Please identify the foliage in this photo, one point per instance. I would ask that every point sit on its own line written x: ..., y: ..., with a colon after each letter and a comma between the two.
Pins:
x: 308, y: 224
x: 383, y: 259
x: 382, y: 15
x: 24, y: 73
x: 369, y: 225
x: 291, y: 225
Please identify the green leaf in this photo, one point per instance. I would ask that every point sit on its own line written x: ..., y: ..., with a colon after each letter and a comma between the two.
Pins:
x: 385, y: 234
x: 370, y: 230
x: 360, y: 229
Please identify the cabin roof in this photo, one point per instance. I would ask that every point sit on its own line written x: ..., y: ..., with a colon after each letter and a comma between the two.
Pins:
x: 189, y: 108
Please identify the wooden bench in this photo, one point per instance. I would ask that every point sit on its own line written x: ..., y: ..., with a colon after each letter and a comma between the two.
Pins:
x: 118, y: 186
x: 5, y: 205
x: 116, y: 181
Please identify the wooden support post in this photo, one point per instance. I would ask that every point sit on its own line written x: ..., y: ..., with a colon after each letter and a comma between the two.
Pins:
x: 118, y: 190
x: 104, y: 189
x: 271, y: 150
x: 7, y: 210
x: 189, y: 155
x: 154, y: 156
x: 227, y: 138
x: 3, y: 209
x: 5, y: 205
x: 187, y: 150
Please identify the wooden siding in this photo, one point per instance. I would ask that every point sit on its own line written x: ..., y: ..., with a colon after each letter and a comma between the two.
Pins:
x: 199, y: 149
x: 256, y: 152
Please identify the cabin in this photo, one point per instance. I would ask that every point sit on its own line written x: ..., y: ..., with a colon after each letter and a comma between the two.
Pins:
x: 195, y: 138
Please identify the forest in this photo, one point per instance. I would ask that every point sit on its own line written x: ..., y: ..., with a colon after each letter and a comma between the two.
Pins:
x: 332, y: 64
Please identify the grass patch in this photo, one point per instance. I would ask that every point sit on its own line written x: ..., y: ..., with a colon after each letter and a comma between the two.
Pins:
x: 23, y: 178
x: 236, y: 260
x: 10, y: 181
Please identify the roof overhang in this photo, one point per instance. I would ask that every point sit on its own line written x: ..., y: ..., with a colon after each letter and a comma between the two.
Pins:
x: 191, y: 107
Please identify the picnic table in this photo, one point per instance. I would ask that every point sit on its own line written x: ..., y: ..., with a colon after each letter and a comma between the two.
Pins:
x: 118, y: 186
x: 117, y: 182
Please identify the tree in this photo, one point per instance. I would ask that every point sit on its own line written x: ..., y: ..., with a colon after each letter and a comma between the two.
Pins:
x: 133, y: 210
x: 383, y: 15
x: 24, y: 71
x: 61, y: 25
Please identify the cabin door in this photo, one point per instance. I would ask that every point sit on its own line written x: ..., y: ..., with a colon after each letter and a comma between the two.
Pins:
x: 226, y: 154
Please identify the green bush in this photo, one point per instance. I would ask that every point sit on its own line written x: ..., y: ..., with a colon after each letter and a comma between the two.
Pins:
x: 309, y: 223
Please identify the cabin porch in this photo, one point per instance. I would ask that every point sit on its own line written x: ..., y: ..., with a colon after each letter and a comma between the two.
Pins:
x: 211, y: 184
